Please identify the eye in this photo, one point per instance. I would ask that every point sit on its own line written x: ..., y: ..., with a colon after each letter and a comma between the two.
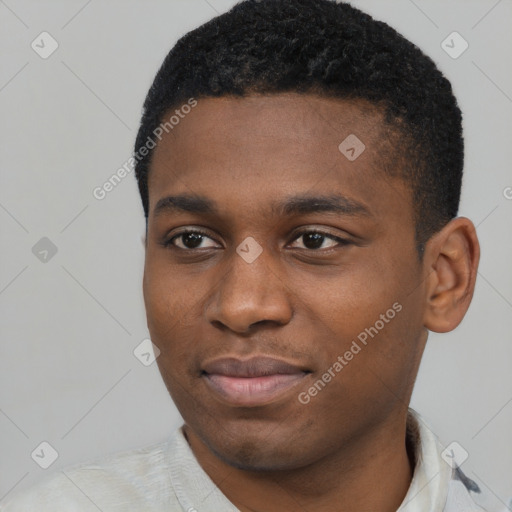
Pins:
x: 314, y: 239
x: 190, y: 240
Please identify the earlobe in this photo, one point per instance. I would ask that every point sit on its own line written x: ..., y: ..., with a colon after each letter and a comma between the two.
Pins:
x: 452, y: 255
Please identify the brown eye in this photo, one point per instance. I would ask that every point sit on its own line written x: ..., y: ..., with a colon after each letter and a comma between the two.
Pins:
x: 314, y: 240
x: 190, y: 240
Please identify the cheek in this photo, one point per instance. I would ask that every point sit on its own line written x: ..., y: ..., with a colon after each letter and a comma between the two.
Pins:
x: 173, y: 310
x: 369, y: 314
x: 353, y: 298
x: 165, y: 292
x: 166, y: 309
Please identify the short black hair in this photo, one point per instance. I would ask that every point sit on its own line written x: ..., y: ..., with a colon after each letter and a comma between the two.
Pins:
x: 332, y: 49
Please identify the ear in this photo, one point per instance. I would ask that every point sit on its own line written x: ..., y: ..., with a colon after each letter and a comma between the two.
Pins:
x: 452, y: 257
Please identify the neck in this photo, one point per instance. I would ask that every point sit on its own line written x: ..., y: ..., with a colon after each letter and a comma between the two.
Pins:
x: 373, y: 473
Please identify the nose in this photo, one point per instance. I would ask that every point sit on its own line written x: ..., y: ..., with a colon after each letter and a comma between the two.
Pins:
x: 250, y: 293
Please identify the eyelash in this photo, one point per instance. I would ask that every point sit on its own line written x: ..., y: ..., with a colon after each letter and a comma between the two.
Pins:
x: 341, y: 241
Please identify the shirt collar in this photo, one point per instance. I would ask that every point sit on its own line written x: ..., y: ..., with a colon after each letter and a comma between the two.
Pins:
x: 193, y: 487
x: 428, y: 490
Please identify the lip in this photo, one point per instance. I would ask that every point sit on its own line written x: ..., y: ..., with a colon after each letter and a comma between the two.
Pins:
x: 251, y: 382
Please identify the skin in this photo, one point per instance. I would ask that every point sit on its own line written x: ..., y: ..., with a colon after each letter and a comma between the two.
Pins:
x: 297, y: 301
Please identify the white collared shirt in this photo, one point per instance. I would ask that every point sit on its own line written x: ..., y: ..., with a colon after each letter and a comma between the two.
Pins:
x: 166, y: 477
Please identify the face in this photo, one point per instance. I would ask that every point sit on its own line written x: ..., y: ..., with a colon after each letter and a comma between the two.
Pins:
x: 282, y: 283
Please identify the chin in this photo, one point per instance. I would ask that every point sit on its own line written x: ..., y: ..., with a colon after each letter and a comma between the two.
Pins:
x: 251, y: 456
x: 259, y: 449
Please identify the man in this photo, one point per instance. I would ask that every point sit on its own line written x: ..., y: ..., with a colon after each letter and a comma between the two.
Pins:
x: 300, y: 166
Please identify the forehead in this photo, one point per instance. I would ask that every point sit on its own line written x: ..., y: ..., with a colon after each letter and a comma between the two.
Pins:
x: 257, y: 149
x: 318, y: 122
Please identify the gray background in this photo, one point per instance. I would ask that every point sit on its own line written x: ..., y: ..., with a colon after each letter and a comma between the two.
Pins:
x: 69, y: 325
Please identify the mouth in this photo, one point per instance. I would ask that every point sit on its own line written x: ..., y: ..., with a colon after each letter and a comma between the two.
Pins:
x: 252, y: 382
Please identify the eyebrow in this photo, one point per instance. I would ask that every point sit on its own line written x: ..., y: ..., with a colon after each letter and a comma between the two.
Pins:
x: 294, y: 205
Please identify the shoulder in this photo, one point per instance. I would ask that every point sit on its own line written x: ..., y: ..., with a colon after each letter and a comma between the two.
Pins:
x: 129, y: 480
x: 451, y: 489
x: 465, y: 494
